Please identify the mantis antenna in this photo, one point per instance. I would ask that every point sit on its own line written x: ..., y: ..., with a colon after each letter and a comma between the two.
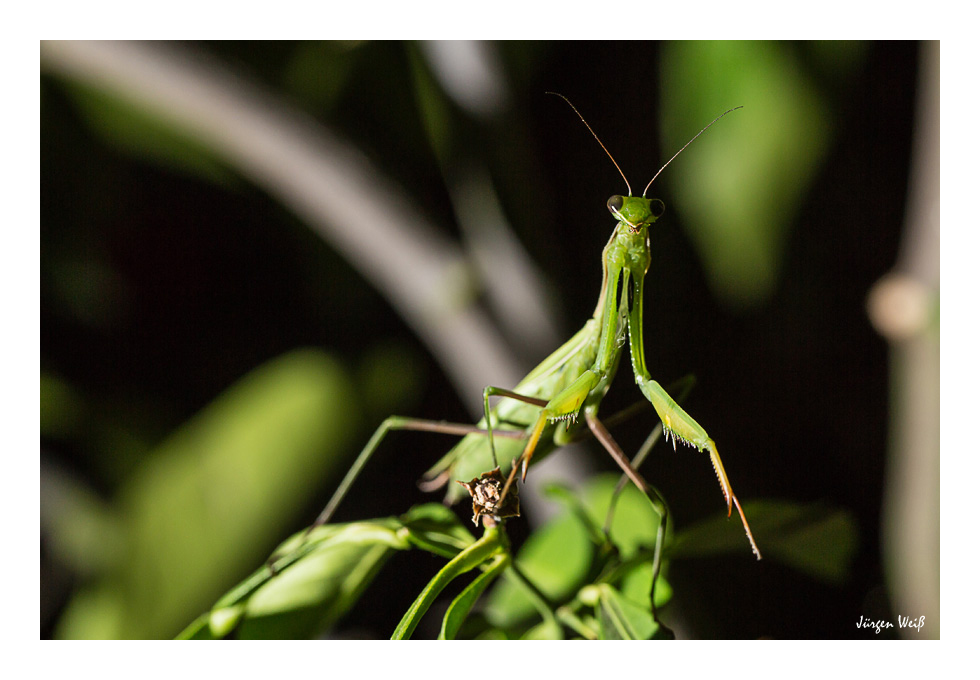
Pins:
x: 629, y: 190
x: 582, y: 118
x: 683, y: 147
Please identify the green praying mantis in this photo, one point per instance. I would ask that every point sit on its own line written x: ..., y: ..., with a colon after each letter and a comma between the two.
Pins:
x: 547, y: 408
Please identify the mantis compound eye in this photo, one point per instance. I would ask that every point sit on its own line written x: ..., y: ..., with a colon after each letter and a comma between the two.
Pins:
x: 657, y: 207
x: 615, y: 204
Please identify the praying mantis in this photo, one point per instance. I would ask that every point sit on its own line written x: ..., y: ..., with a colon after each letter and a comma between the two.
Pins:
x: 547, y: 408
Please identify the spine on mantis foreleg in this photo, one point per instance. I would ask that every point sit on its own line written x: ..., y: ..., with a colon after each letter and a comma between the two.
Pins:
x: 682, y: 426
x: 677, y: 423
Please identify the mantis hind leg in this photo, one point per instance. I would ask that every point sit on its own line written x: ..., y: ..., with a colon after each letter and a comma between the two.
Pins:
x: 682, y: 388
x: 659, y: 505
x: 420, y: 425
x: 393, y: 423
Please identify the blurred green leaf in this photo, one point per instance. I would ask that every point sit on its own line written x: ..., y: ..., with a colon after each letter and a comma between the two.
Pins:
x: 818, y: 540
x: 635, y: 522
x: 319, y: 71
x: 555, y: 558
x: 492, y: 634
x: 81, y: 529
x: 222, y: 622
x: 199, y: 629
x: 434, y: 106
x: 740, y: 186
x: 208, y: 499
x: 634, y: 528
x: 549, y: 629
x: 620, y: 618
x: 635, y: 584
x: 61, y: 407
x: 838, y: 59
x: 390, y: 378
x: 578, y: 621
x: 146, y: 135
x: 576, y: 506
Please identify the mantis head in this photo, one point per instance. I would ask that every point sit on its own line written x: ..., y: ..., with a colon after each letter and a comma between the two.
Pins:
x: 636, y: 212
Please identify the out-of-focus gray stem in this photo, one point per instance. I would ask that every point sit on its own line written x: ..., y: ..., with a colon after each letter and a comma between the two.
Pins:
x: 903, y: 308
x: 322, y: 179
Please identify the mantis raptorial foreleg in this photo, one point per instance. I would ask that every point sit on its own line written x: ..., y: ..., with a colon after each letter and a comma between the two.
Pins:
x: 564, y: 406
x: 676, y: 421
x: 680, y: 387
x: 492, y: 391
x: 568, y: 403
x: 679, y: 425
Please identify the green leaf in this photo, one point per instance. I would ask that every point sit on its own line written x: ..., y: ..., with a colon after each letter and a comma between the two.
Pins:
x: 82, y: 529
x: 198, y: 630
x: 222, y: 622
x: 633, y: 529
x: 816, y: 539
x: 583, y: 625
x: 318, y: 71
x: 461, y: 606
x: 549, y: 629
x: 62, y: 410
x: 208, y: 501
x: 635, y: 584
x: 492, y: 634
x: 635, y: 521
x: 145, y: 134
x: 740, y: 186
x: 470, y: 558
x: 620, y: 618
x: 314, y: 593
x: 437, y: 529
x: 316, y: 579
x: 555, y: 558
x: 576, y: 506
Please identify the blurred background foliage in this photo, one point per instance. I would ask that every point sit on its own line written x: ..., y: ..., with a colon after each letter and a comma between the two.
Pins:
x: 214, y: 351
